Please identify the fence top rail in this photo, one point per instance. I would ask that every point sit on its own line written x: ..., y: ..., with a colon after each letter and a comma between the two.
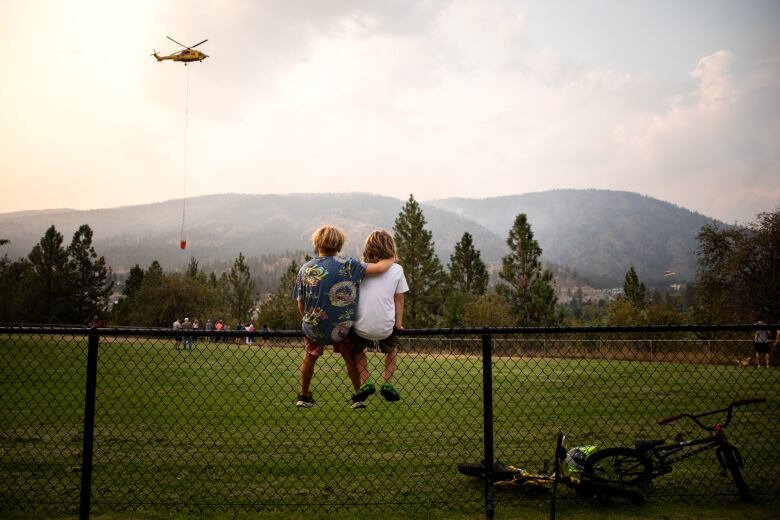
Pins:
x: 446, y: 332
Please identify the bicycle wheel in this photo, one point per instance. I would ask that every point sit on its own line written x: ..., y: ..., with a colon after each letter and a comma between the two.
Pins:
x: 732, y: 459
x: 500, y: 471
x: 621, y: 466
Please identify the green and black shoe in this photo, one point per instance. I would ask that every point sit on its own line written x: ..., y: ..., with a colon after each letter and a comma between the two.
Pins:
x: 389, y: 393
x: 366, y: 390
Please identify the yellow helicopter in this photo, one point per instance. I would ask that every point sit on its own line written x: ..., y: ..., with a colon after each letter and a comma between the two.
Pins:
x: 187, y: 55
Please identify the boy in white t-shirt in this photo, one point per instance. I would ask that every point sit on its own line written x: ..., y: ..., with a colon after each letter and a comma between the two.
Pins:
x: 379, y: 314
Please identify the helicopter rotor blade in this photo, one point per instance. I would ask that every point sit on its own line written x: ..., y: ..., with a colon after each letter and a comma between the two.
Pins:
x: 204, y: 41
x: 174, y: 41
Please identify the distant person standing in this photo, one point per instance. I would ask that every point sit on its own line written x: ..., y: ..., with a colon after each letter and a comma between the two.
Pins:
x: 250, y: 337
x: 177, y: 333
x: 195, y: 327
x: 218, y: 326
x: 761, y: 343
x: 225, y: 328
x: 209, y: 325
x: 186, y: 329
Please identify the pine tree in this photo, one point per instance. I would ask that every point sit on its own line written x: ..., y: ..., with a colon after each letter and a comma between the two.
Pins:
x: 144, y: 306
x: 528, y: 286
x: 49, y: 280
x: 467, y: 270
x: 633, y: 290
x: 241, y: 289
x: 15, y: 283
x: 192, y: 268
x: 134, y: 280
x: 90, y: 278
x: 423, y: 270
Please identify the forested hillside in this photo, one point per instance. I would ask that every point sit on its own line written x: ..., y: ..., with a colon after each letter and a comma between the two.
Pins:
x: 218, y: 227
x: 598, y: 234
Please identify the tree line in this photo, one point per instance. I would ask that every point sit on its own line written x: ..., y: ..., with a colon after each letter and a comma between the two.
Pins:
x: 737, y: 281
x: 55, y: 283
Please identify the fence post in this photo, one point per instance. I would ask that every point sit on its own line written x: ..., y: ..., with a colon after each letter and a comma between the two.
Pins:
x: 487, y: 400
x: 89, y: 424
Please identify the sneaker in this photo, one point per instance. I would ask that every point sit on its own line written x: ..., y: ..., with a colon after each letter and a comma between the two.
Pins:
x: 358, y: 404
x: 389, y: 393
x: 304, y: 401
x: 366, y: 390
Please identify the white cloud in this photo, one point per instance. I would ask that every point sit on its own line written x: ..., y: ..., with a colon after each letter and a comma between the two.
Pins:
x: 714, y: 148
x: 716, y: 85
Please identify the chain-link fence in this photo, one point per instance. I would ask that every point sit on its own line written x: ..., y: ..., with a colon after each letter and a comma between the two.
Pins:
x: 215, y: 426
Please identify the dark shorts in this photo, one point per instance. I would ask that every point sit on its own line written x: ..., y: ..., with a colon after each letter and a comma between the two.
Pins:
x: 761, y: 348
x: 315, y: 349
x: 386, y: 345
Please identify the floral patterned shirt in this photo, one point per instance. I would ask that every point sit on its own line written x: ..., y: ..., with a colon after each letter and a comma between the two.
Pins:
x: 328, y: 286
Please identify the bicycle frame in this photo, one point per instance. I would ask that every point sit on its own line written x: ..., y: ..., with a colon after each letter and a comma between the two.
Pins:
x: 664, y: 456
x: 651, y: 459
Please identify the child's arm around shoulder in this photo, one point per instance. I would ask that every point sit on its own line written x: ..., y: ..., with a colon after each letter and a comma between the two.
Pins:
x: 380, y: 267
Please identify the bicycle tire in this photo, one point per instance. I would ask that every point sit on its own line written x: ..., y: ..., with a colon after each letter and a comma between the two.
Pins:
x: 732, y: 464
x: 604, y: 489
x: 501, y: 472
x: 620, y: 466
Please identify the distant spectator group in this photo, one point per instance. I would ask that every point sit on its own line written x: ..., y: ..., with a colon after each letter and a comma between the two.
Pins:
x: 183, y: 340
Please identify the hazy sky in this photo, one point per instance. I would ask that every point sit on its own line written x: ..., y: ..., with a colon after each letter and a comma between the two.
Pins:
x: 678, y: 100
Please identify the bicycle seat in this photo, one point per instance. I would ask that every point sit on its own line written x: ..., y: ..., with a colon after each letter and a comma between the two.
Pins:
x: 646, y: 444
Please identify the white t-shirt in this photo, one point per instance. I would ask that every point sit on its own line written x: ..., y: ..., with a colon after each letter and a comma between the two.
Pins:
x: 376, y: 304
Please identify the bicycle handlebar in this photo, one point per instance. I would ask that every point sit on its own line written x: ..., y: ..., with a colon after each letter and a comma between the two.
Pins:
x: 728, y: 410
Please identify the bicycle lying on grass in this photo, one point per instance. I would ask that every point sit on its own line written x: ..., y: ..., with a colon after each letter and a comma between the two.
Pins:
x: 567, y: 471
x: 650, y: 459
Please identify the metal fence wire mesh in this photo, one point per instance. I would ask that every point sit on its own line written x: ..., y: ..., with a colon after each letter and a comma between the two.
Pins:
x: 216, y: 427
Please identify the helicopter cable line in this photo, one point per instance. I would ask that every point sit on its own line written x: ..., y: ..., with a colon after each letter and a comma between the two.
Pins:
x: 183, y: 236
x: 189, y: 54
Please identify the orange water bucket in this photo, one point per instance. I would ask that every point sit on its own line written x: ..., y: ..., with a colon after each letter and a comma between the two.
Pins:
x: 183, y: 244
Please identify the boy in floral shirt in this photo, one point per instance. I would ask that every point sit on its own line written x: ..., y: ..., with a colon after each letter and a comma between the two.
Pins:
x: 326, y: 290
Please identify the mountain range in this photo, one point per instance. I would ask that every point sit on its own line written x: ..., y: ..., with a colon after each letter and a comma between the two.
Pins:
x: 597, y: 233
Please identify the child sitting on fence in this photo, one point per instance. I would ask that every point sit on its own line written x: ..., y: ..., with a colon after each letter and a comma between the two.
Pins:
x: 380, y: 314
x: 326, y: 290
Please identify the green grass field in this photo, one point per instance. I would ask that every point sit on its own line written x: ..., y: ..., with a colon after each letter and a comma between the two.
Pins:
x: 216, y: 429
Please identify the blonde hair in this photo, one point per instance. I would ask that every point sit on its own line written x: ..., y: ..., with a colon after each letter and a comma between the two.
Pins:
x: 328, y: 240
x: 379, y: 246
